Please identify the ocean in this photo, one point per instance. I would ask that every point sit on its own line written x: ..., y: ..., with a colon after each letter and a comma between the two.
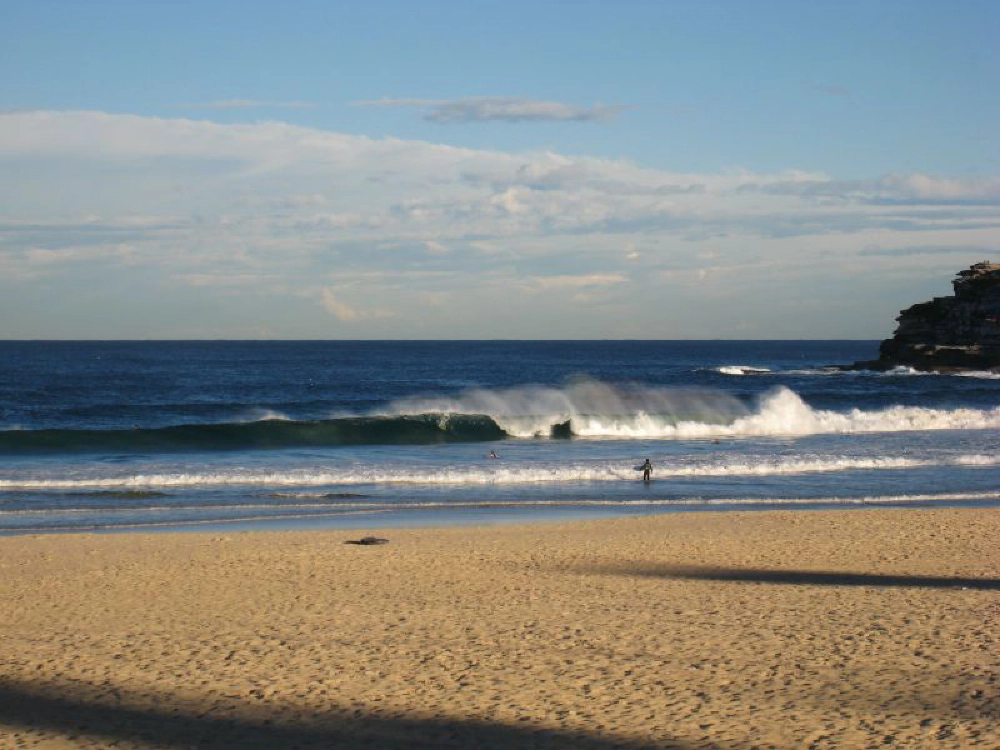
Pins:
x: 226, y: 435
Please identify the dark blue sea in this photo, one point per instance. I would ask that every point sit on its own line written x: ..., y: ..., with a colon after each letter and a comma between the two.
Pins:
x: 288, y: 434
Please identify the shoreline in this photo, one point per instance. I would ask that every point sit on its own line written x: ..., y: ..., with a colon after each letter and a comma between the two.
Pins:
x: 687, y: 630
x: 511, y: 514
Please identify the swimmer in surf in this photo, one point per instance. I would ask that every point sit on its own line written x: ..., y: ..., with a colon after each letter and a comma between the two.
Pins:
x: 647, y: 469
x: 493, y: 454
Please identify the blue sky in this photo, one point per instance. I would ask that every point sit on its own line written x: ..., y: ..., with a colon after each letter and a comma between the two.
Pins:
x: 514, y: 170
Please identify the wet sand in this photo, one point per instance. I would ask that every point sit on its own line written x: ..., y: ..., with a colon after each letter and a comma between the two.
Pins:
x: 844, y: 629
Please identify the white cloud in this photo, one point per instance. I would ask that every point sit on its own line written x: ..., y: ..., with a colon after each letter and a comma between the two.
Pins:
x: 434, y: 299
x: 891, y: 188
x: 217, y: 279
x: 435, y: 248
x: 499, y: 108
x: 346, y: 313
x: 395, y: 225
x: 575, y: 282
x: 968, y: 250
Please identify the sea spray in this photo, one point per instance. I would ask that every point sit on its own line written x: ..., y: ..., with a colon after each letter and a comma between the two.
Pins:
x: 603, y: 410
x: 591, y: 407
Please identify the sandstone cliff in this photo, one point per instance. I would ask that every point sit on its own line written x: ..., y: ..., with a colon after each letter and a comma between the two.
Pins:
x: 949, y: 333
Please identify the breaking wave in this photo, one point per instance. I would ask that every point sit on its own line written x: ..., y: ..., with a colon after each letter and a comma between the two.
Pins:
x: 593, y: 409
x: 582, y: 409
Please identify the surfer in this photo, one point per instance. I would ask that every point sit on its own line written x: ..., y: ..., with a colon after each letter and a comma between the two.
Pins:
x: 493, y: 454
x: 647, y: 469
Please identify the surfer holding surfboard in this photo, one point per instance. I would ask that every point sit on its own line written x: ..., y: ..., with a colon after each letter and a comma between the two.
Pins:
x: 646, y: 469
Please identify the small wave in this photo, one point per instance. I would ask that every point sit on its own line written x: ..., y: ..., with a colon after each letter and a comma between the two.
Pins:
x: 895, y: 372
x: 742, y: 370
x: 513, y: 474
x: 977, y: 460
x: 906, y: 370
x: 980, y: 374
x: 899, y: 371
x: 188, y: 508
x: 261, y: 415
x: 124, y: 494
x: 316, y: 495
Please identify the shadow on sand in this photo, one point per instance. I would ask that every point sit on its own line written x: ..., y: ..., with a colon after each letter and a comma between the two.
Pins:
x: 802, y: 577
x: 26, y: 706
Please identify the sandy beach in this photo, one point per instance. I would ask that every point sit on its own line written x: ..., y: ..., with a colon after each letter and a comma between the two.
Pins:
x: 844, y: 629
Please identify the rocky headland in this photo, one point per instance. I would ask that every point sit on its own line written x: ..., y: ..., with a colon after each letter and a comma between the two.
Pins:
x: 959, y: 332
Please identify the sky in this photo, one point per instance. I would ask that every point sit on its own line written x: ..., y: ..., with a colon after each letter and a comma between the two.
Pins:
x: 482, y: 170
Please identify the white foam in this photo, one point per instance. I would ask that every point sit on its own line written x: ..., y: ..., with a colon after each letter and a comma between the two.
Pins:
x: 980, y: 374
x: 898, y: 371
x: 596, y: 471
x: 783, y: 412
x: 976, y: 460
x: 742, y: 370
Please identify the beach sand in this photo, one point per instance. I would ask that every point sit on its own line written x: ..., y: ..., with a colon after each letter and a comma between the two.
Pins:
x: 854, y: 628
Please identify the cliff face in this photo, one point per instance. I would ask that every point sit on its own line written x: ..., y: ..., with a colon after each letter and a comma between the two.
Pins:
x: 958, y: 332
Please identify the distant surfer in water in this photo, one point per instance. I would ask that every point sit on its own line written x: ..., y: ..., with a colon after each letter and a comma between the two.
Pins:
x: 493, y: 454
x: 647, y: 469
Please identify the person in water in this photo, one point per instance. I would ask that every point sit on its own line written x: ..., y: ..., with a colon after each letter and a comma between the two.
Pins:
x: 647, y: 469
x: 493, y: 454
